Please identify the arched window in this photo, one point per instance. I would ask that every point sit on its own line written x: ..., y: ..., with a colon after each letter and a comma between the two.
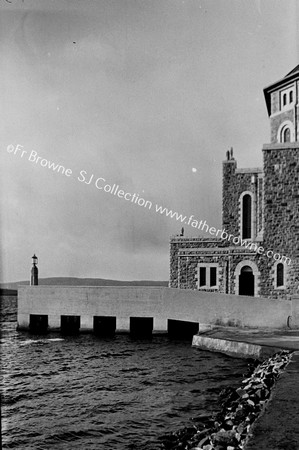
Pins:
x: 246, y: 216
x: 279, y: 275
x: 286, y: 132
x: 286, y: 135
x: 287, y: 97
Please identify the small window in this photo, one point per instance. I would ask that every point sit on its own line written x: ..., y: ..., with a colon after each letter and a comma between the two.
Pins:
x: 202, y: 276
x: 207, y: 276
x: 286, y: 135
x: 213, y: 276
x: 287, y: 98
x: 291, y: 96
x: 279, y: 275
x: 246, y: 217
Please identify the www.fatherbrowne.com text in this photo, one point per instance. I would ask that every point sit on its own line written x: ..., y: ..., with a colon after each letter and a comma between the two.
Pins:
x: 115, y: 190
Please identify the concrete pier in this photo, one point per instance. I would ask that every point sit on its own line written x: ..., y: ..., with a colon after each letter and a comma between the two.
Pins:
x: 46, y: 306
x: 261, y: 328
x: 246, y: 343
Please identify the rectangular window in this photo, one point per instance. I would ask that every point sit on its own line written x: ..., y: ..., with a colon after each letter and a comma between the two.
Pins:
x: 213, y: 276
x: 207, y: 274
x: 246, y: 216
x: 279, y: 275
x: 202, y: 276
x: 291, y: 97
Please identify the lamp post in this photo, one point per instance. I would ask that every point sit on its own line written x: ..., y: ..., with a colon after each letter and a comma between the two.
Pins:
x: 34, y: 271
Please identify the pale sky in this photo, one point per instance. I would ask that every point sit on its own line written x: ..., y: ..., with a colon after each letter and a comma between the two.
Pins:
x: 148, y: 95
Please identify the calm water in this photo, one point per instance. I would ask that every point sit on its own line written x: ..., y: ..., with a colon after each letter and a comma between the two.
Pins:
x: 94, y: 393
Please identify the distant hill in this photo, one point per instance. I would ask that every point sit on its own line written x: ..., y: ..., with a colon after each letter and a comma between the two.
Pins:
x: 70, y: 281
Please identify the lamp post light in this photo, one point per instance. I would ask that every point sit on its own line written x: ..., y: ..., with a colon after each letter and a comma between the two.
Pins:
x: 34, y: 271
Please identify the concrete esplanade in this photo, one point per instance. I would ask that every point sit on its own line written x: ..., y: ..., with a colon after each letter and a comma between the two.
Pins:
x: 155, y: 309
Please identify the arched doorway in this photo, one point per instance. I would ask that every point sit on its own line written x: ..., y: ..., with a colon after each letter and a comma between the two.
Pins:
x: 247, y: 278
x: 246, y: 281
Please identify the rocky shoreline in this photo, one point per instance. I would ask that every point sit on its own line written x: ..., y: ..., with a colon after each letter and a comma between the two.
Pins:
x: 229, y: 429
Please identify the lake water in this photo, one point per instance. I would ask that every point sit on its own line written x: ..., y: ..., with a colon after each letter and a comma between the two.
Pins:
x: 84, y: 392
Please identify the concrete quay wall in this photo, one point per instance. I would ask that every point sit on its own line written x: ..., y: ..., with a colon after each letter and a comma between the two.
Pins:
x: 235, y: 348
x: 159, y: 303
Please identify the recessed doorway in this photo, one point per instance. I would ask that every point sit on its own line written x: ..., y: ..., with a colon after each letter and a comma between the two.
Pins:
x: 246, y: 281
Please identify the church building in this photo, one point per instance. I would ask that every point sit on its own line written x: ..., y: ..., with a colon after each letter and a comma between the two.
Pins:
x: 256, y: 253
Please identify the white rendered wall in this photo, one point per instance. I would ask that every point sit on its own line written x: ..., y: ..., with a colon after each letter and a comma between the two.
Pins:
x: 157, y: 302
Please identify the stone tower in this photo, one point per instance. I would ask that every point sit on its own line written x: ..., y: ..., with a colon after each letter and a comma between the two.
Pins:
x: 282, y: 104
x: 260, y: 216
x: 281, y: 175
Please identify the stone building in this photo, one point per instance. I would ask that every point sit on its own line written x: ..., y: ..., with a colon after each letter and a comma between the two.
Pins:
x: 256, y: 252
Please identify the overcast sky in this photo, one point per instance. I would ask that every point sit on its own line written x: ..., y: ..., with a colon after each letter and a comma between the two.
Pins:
x: 147, y: 95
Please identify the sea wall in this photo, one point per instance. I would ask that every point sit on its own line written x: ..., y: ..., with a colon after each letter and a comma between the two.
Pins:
x: 158, y: 303
x: 237, y: 426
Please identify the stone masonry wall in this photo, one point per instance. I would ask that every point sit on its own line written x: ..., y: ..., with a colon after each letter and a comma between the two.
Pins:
x: 281, y: 195
x: 260, y: 205
x: 187, y: 274
x: 275, y: 102
x: 234, y: 184
x: 229, y: 197
x: 178, y: 243
x: 187, y: 253
x: 277, y: 121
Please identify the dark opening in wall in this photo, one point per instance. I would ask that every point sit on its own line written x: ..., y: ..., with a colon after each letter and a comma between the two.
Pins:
x: 246, y: 209
x: 104, y: 325
x: 141, y: 326
x: 246, y: 281
x: 182, y: 329
x: 213, y: 276
x: 279, y: 275
x: 202, y: 276
x: 38, y: 323
x: 70, y: 324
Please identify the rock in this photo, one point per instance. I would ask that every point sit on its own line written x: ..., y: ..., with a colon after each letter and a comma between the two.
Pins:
x: 240, y: 428
x: 225, y: 437
x: 241, y: 392
x: 228, y: 430
x: 229, y: 422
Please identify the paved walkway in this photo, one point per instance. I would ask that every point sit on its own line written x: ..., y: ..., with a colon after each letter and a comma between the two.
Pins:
x: 286, y: 339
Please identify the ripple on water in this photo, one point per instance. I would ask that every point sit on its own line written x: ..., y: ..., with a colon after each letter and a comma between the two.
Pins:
x: 89, y: 393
